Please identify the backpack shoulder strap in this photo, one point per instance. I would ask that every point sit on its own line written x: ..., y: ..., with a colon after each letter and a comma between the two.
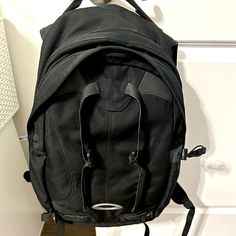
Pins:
x: 180, y: 197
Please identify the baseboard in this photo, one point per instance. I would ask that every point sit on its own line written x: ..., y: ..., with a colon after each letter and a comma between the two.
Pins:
x: 41, y: 229
x: 203, y: 210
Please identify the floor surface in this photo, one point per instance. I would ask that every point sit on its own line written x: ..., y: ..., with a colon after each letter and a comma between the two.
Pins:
x: 50, y: 229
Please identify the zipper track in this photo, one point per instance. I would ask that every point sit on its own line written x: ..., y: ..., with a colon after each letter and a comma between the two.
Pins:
x: 157, y: 140
x: 86, y: 42
x: 163, y: 66
x: 53, y: 68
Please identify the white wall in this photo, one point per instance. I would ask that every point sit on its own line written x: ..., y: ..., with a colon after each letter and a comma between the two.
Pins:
x: 19, y: 209
x: 208, y: 75
x: 195, y: 19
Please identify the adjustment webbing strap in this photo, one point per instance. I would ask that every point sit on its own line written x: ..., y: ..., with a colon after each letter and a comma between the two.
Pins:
x: 147, y: 231
x: 132, y: 91
x: 60, y: 227
x: 89, y: 91
x: 179, y: 196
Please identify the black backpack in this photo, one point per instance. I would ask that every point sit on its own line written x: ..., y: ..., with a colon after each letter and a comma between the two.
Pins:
x: 107, y: 128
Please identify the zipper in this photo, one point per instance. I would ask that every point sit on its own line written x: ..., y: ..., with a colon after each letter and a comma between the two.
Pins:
x: 52, y: 69
x: 167, y: 69
x: 85, y: 42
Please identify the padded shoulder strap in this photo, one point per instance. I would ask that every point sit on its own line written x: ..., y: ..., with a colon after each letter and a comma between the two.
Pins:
x: 180, y: 197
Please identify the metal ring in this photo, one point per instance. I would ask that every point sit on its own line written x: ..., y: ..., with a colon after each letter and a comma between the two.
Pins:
x: 107, y: 206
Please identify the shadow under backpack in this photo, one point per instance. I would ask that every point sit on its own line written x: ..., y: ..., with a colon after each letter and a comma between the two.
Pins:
x: 107, y: 128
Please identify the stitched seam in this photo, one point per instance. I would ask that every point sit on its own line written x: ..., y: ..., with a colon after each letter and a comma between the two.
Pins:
x: 99, y: 31
x: 151, y: 94
x: 138, y: 186
x: 124, y: 29
x: 70, y: 175
x: 52, y: 68
x: 41, y: 189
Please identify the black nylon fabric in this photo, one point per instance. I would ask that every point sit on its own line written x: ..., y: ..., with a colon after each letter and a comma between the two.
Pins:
x: 111, y: 47
x: 88, y: 21
x: 112, y: 133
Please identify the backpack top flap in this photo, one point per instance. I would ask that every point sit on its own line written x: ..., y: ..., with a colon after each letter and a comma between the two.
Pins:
x: 94, y: 23
x: 88, y: 29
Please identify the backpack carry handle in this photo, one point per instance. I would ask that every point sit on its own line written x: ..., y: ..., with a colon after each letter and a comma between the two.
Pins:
x: 139, y: 10
x: 90, y: 90
x: 76, y: 3
x: 131, y: 90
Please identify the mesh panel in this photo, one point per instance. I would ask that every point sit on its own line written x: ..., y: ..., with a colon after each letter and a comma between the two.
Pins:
x: 8, y: 97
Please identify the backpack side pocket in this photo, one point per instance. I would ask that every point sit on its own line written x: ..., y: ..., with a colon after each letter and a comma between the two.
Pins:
x: 37, y: 175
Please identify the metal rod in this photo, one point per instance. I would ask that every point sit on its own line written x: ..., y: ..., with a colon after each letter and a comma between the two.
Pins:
x: 23, y: 138
x: 207, y: 43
